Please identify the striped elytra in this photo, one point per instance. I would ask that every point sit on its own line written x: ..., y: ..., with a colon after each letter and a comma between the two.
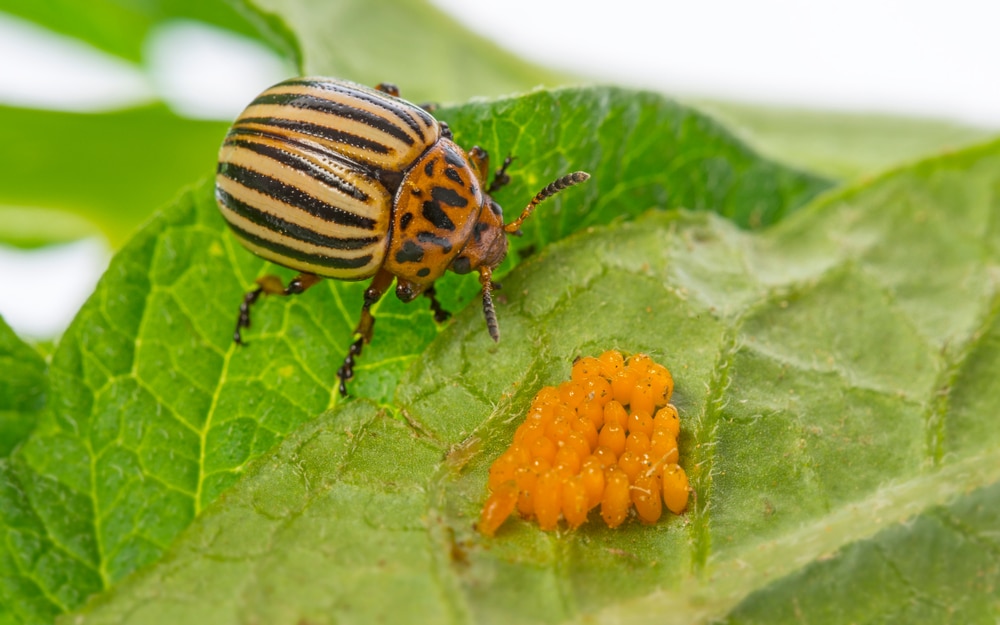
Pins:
x: 337, y: 180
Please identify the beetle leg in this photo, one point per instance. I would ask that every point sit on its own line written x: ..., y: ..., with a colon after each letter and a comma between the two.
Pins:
x: 486, y: 280
x: 269, y: 285
x: 440, y: 314
x: 480, y: 161
x: 366, y: 327
x: 500, y: 177
x: 388, y: 87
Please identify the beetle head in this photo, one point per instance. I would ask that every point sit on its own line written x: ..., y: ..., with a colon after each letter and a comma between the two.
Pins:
x: 488, y: 246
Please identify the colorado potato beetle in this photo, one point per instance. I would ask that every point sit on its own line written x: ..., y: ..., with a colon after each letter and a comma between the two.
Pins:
x: 337, y: 180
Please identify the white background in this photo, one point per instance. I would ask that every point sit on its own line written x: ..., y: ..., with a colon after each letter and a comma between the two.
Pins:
x: 917, y: 58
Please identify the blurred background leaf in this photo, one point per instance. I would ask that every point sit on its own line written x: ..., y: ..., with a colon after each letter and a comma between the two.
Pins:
x: 840, y: 145
x: 122, y: 27
x: 23, y: 387
x: 110, y: 169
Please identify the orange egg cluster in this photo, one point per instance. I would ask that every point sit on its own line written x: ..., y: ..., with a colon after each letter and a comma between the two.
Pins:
x: 606, y: 437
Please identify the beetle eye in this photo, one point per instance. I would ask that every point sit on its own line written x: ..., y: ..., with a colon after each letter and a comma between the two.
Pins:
x: 461, y: 265
x: 446, y: 131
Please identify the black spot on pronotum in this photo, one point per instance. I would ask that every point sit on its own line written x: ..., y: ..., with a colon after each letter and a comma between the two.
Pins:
x: 424, y: 272
x: 448, y: 196
x: 409, y: 252
x: 430, y: 237
x: 405, y: 220
x: 478, y: 229
x: 453, y: 175
x: 453, y: 158
x: 429, y: 167
x: 432, y: 213
x: 461, y: 265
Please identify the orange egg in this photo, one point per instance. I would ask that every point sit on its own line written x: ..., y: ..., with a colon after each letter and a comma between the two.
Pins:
x: 593, y: 410
x: 544, y: 448
x: 548, y: 499
x: 675, y: 488
x: 592, y: 478
x: 596, y: 389
x: 585, y: 428
x: 571, y: 393
x: 607, y: 437
x: 622, y: 385
x: 574, y: 502
x: 614, y: 412
x: 558, y: 431
x: 668, y: 419
x: 630, y: 464
x: 612, y: 436
x: 637, y: 443
x: 503, y: 469
x: 586, y: 367
x: 643, y: 396
x: 578, y: 443
x: 526, y: 480
x: 664, y: 445
x: 645, y: 495
x: 616, y: 500
x: 497, y: 508
x: 611, y: 363
x: 640, y: 421
x: 639, y: 363
x: 567, y: 461
x: 605, y: 456
x: 662, y: 383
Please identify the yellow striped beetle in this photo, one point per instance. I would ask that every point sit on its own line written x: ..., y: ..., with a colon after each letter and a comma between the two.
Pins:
x: 336, y: 180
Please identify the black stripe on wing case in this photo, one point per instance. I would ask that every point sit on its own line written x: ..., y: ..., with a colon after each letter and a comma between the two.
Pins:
x: 333, y: 262
x: 401, y: 110
x: 294, y: 196
x: 296, y: 231
x: 340, y: 109
x: 319, y: 131
x: 293, y: 160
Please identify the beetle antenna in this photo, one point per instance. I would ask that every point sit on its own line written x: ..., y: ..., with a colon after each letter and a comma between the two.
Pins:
x: 554, y: 187
x: 486, y: 279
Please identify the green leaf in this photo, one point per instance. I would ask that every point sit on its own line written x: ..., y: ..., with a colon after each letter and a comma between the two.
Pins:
x: 838, y: 402
x: 22, y: 389
x: 50, y: 159
x: 410, y: 43
x: 842, y: 145
x: 121, y: 27
x: 153, y: 411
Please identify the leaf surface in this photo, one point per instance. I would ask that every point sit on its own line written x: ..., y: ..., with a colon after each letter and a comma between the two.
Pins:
x: 837, y: 403
x: 153, y: 411
x: 66, y: 162
x: 410, y: 43
x: 22, y: 389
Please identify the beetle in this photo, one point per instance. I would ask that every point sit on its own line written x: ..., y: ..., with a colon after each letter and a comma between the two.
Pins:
x: 338, y: 180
